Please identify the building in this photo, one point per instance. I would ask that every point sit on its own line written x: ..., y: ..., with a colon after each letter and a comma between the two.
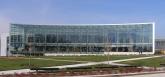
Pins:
x: 160, y: 45
x: 82, y: 39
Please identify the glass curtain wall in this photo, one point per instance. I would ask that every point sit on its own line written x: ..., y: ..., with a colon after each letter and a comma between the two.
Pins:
x: 81, y: 38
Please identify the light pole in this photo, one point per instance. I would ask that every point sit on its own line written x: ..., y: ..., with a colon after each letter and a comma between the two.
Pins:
x: 30, y: 50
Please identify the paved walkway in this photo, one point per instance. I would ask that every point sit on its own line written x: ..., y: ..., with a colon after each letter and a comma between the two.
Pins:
x: 60, y: 60
x: 148, y: 75
x: 104, y: 62
x: 15, y: 71
x: 76, y: 65
x: 114, y: 61
x: 138, y: 74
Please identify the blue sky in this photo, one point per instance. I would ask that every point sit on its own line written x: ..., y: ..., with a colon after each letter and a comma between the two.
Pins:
x: 82, y: 12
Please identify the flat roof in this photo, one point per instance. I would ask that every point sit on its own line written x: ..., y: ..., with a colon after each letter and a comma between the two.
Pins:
x: 82, y: 24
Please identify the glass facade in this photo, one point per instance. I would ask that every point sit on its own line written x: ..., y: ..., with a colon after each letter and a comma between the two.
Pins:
x: 160, y: 44
x: 89, y: 38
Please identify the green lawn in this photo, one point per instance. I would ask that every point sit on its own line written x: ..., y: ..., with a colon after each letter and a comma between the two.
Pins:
x: 20, y: 63
x: 10, y: 63
x: 152, y: 62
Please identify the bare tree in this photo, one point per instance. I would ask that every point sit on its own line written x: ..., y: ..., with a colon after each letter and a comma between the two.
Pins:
x: 107, y: 47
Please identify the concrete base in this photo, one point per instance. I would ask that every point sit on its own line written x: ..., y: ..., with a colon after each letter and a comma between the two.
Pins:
x: 104, y: 53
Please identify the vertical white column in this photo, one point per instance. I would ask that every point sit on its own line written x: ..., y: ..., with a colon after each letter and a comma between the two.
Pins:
x: 153, y: 39
x: 3, y: 39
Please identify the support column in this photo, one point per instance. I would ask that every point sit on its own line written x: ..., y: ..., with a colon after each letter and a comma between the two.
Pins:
x: 3, y: 45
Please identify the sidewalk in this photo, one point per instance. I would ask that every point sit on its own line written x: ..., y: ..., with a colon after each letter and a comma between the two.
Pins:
x: 16, y: 71
x: 104, y: 62
x: 138, y: 74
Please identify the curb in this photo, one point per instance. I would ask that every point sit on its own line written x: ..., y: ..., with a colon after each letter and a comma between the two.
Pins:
x: 123, y: 74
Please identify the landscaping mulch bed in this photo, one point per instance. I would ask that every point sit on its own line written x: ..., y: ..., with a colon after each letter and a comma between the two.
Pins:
x: 77, y: 72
